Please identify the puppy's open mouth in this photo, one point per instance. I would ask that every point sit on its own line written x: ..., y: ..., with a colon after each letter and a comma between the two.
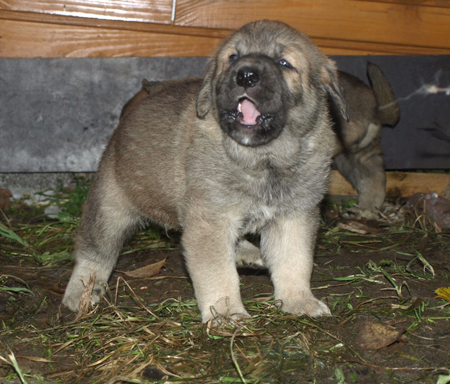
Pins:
x: 247, y: 113
x: 248, y: 126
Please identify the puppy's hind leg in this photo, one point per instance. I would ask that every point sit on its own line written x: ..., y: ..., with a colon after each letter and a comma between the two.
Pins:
x: 248, y: 255
x: 107, y: 221
x: 364, y: 169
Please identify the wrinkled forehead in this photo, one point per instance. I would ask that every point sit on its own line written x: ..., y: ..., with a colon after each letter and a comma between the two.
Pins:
x: 276, y: 43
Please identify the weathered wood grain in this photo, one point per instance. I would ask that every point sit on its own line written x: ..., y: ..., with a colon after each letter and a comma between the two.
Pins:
x: 156, y: 11
x: 45, y: 18
x: 339, y: 27
x: 100, y: 38
x: 28, y: 40
x: 397, y: 184
x: 346, y: 20
x: 431, y: 3
x: 142, y: 27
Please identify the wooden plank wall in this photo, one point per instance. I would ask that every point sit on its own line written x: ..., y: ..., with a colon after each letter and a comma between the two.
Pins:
x: 124, y: 28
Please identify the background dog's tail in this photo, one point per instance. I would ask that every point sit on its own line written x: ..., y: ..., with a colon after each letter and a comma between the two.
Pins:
x: 388, y: 108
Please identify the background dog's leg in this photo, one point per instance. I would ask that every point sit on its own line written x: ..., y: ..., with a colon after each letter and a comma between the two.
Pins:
x: 209, y: 246
x: 365, y: 171
x: 105, y: 224
x: 287, y: 246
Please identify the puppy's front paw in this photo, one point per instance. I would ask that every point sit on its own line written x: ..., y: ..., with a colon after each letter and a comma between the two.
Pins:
x: 310, y: 307
x: 219, y: 320
x: 75, y: 290
x: 224, y: 309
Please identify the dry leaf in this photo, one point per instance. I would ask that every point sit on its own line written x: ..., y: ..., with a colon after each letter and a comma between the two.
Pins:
x: 37, y: 359
x: 375, y: 335
x: 5, y: 195
x: 443, y: 293
x: 85, y: 299
x: 148, y: 270
x: 357, y: 227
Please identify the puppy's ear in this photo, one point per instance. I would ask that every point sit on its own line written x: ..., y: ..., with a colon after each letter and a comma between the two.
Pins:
x: 205, y: 95
x: 331, y: 84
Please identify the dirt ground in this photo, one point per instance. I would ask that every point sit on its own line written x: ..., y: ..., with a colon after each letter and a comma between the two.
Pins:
x: 388, y: 326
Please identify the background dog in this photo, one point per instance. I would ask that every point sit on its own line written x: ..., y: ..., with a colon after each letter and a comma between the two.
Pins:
x: 245, y: 150
x: 358, y: 155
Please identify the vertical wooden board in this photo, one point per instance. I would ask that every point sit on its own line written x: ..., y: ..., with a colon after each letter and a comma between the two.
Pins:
x: 337, y: 19
x: 157, y: 11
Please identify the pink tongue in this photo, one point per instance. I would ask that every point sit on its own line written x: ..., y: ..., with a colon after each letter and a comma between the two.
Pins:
x: 249, y: 112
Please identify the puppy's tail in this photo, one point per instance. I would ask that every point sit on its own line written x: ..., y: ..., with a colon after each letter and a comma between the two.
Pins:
x: 388, y: 108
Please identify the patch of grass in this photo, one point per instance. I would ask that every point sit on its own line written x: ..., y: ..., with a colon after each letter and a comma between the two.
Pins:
x: 128, y: 340
x: 11, y: 235
x: 50, y: 240
x: 69, y: 199
x: 8, y: 283
x: 124, y: 341
x: 11, y: 360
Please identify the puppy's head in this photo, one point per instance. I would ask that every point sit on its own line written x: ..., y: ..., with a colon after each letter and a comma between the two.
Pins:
x: 265, y: 77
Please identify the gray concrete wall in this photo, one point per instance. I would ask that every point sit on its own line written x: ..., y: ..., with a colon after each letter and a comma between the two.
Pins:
x: 56, y: 115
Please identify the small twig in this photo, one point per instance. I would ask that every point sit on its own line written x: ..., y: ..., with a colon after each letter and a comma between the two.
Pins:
x: 233, y: 358
x: 137, y: 299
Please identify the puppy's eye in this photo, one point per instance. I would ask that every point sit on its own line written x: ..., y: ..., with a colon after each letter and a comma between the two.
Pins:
x: 233, y: 57
x: 285, y: 63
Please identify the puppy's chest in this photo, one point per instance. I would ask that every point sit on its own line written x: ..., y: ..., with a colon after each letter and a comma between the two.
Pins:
x: 257, y: 217
x: 266, y: 198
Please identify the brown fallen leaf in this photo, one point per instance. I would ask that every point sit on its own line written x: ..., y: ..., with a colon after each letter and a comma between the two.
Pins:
x: 148, y: 270
x: 5, y: 195
x: 373, y: 335
x: 435, y: 207
x: 357, y: 227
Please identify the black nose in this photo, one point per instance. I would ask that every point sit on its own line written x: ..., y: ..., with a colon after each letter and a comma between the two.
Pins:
x: 247, y: 77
